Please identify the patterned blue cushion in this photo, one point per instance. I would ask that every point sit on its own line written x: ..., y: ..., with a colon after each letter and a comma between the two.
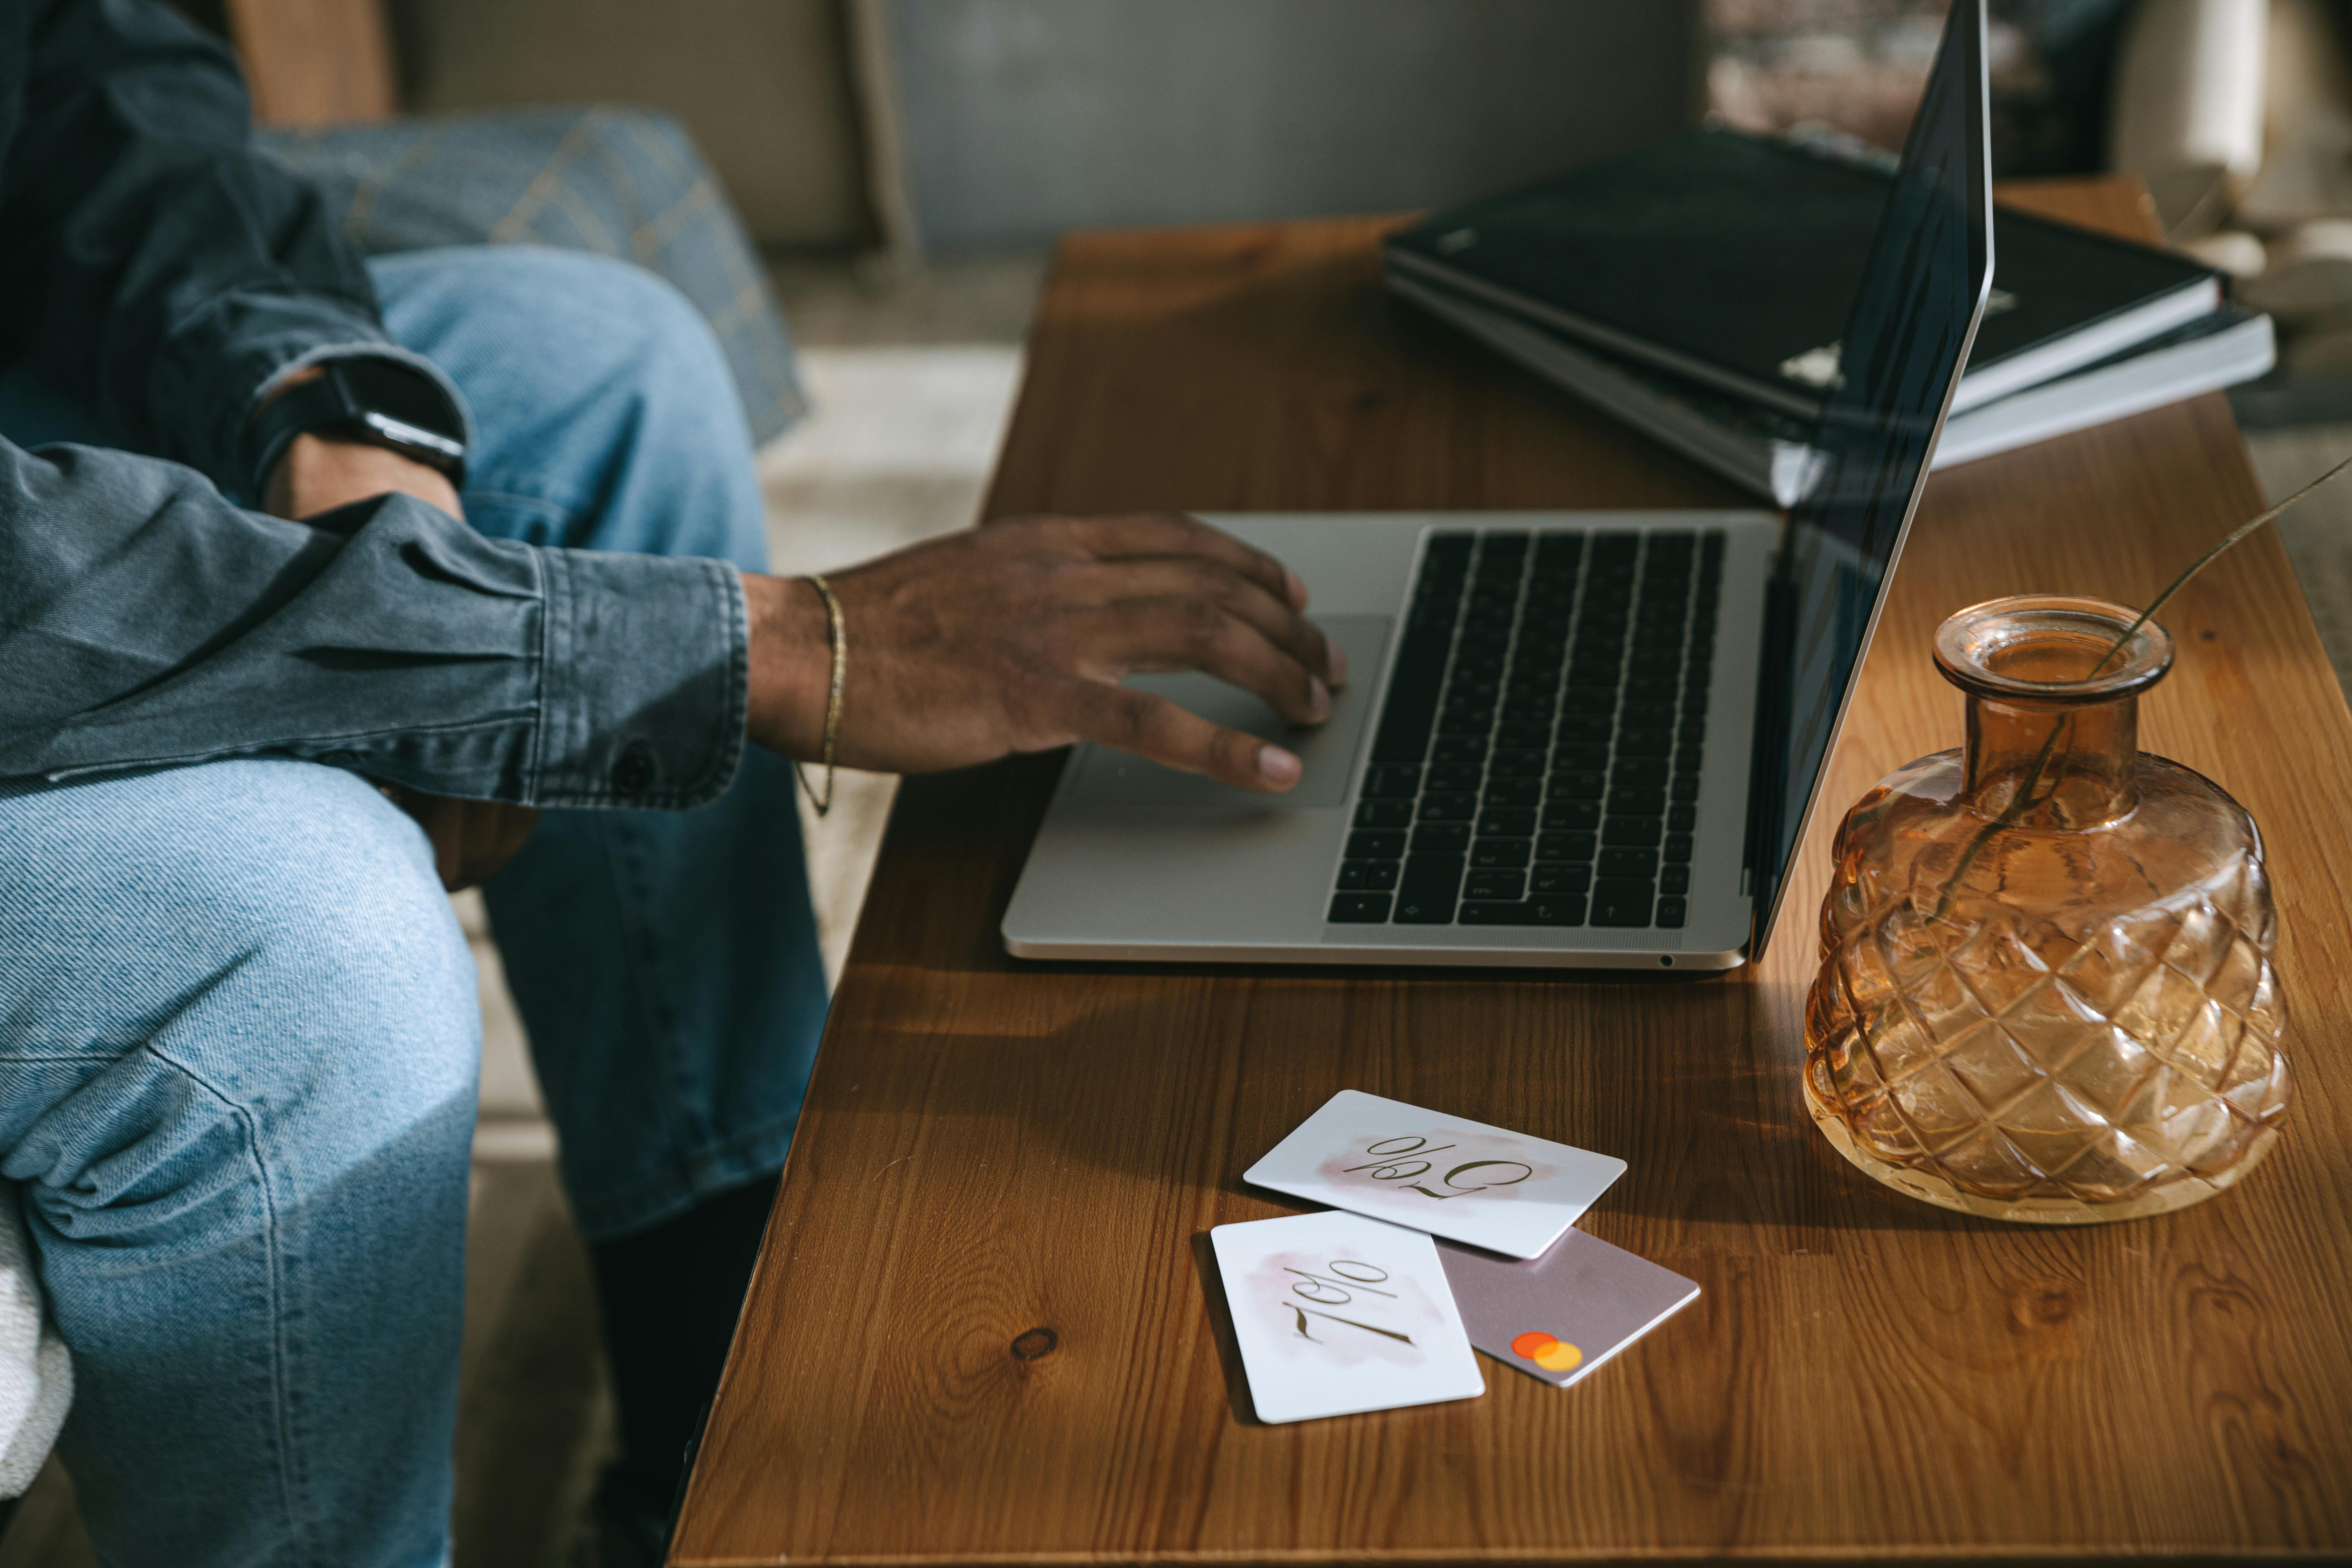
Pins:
x: 621, y: 182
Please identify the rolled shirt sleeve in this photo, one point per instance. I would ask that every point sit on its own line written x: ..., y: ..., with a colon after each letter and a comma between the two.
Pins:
x: 147, y: 621
x: 155, y: 266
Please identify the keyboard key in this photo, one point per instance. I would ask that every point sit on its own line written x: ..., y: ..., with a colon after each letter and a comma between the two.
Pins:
x: 1452, y: 550
x: 1630, y: 830
x: 1560, y: 878
x: 1648, y: 715
x: 1671, y: 912
x: 1466, y: 722
x: 1692, y: 732
x: 1639, y: 771
x: 1602, y: 704
x: 1514, y: 791
x: 1638, y: 800
x: 1441, y: 839
x: 1687, y: 758
x: 1527, y: 709
x: 1406, y: 718
x: 1455, y: 778
x: 1577, y: 786
x: 1448, y: 807
x: 1564, y: 846
x: 1506, y: 885
x: 1620, y: 903
x: 1560, y: 816
x: 1581, y: 756
x: 1384, y: 814
x: 1695, y: 704
x: 1507, y: 821
x: 1680, y: 817
x: 1367, y: 875
x: 1559, y: 910
x: 1684, y: 787
x: 1645, y: 743
x: 1359, y: 908
x: 1460, y: 749
x: 1498, y: 854
x: 1637, y: 865
x: 1516, y: 764
x: 1522, y: 737
x: 1487, y: 914
x: 1660, y: 686
x: 1375, y: 846
x: 1398, y: 780
x: 1426, y: 894
x: 1656, y: 660
x: 1674, y: 880
x: 1678, y: 848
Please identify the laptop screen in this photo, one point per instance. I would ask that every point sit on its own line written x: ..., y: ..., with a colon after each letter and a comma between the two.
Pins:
x: 1906, y: 338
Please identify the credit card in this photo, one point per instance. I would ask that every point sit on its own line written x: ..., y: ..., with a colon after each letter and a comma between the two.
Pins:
x: 1560, y: 1316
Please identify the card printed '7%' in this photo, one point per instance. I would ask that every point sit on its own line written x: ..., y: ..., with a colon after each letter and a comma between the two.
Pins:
x: 1336, y: 1314
x: 1463, y: 1180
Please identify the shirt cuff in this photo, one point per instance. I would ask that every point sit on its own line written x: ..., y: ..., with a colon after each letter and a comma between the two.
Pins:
x: 646, y: 680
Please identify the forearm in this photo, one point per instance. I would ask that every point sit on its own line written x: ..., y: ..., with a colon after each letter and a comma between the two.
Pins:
x: 146, y: 620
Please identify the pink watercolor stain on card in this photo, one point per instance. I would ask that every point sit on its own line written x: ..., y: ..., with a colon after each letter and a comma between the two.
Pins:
x: 1440, y: 1165
x: 1343, y: 1312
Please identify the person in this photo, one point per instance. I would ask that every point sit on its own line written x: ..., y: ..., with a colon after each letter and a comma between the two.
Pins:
x: 321, y: 580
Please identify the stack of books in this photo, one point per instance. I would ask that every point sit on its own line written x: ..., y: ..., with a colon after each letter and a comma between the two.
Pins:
x: 1696, y: 289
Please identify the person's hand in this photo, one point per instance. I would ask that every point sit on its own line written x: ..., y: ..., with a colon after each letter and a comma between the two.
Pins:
x: 471, y: 838
x: 1013, y: 638
x: 317, y: 474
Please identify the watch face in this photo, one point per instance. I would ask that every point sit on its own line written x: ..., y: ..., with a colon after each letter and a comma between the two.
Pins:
x: 408, y: 396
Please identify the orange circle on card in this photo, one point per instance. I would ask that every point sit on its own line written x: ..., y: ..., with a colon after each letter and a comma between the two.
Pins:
x: 1533, y: 1344
x: 1560, y: 1357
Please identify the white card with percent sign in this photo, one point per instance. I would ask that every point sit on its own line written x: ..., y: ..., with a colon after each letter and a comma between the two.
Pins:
x: 1337, y: 1314
x: 1462, y: 1180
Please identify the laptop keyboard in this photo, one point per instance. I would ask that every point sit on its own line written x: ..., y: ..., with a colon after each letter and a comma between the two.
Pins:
x: 1536, y: 761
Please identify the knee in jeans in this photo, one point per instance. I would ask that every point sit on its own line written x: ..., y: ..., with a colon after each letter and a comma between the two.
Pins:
x: 608, y: 326
x: 279, y: 965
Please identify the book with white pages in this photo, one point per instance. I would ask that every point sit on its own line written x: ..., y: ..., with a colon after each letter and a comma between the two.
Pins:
x: 1772, y: 454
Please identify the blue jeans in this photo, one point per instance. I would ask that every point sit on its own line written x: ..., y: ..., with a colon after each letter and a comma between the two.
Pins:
x: 238, y: 1035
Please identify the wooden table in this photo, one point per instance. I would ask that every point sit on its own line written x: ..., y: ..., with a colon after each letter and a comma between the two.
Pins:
x: 978, y: 1331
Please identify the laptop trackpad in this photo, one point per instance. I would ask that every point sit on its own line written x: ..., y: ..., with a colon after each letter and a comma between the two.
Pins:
x: 1116, y: 782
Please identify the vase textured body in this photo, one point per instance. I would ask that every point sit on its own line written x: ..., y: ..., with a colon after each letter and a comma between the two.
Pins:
x: 2046, y: 991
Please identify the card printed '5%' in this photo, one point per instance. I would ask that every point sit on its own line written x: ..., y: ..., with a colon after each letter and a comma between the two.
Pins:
x: 1484, y: 1185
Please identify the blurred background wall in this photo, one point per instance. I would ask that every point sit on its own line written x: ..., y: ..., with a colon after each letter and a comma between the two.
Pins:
x: 995, y: 123
x: 1021, y: 118
x: 766, y: 87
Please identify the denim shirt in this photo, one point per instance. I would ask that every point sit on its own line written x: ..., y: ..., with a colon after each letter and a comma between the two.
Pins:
x: 160, y: 271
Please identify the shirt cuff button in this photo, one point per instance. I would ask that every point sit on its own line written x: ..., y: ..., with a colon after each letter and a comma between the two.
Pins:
x: 634, y: 773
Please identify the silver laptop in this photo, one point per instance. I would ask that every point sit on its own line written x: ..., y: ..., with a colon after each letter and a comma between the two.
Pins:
x: 1576, y: 739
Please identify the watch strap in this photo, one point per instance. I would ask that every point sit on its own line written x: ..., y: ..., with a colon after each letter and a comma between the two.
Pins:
x: 332, y: 403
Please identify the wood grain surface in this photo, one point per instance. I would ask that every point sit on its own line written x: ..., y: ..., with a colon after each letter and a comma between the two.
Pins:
x: 993, y: 1148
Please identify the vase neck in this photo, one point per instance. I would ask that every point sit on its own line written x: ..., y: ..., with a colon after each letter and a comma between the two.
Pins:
x: 2053, y: 706
x: 2042, y: 766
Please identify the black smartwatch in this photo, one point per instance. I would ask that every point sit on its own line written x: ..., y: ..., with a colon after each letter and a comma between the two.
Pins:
x: 379, y: 401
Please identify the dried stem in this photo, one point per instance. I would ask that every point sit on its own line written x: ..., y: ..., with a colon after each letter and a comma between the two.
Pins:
x: 2205, y: 560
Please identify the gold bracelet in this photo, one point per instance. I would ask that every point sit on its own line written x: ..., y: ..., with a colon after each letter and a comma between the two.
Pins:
x: 839, y: 635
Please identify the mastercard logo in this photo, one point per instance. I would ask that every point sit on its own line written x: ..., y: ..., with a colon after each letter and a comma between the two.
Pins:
x: 1548, y: 1352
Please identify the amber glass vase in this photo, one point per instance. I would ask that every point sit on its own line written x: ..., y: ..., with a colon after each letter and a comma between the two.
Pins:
x: 2046, y: 991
